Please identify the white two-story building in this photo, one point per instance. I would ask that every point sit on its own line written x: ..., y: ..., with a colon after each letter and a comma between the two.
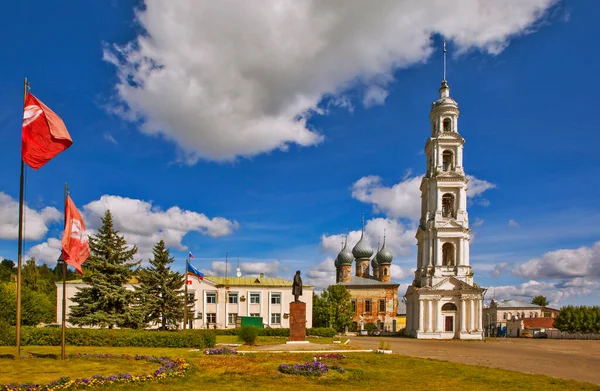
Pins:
x: 219, y: 301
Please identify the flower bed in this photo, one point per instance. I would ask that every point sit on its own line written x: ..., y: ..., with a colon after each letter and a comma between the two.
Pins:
x: 218, y: 351
x: 168, y: 368
x: 309, y: 369
x: 334, y: 356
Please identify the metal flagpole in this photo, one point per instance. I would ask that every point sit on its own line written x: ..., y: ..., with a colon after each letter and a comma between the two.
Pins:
x: 64, y: 290
x: 20, y: 245
x: 185, y: 309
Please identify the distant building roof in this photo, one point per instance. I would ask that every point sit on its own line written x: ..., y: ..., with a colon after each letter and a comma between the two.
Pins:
x: 367, y: 282
x: 514, y: 304
x: 401, y: 308
x: 538, y: 322
x: 252, y: 281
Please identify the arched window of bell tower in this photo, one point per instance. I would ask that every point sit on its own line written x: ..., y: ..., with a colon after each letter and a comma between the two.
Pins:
x: 448, y: 205
x: 447, y: 125
x: 385, y: 271
x: 448, y: 254
x: 447, y: 160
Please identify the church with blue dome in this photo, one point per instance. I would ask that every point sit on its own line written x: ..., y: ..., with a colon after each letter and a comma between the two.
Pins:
x: 374, y: 296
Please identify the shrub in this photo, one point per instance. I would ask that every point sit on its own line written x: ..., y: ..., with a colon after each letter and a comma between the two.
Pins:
x: 209, y: 339
x: 42, y: 336
x: 248, y: 334
x: 321, y: 332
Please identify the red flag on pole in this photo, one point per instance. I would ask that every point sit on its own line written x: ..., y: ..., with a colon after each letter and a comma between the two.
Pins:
x: 75, y: 247
x: 44, y: 133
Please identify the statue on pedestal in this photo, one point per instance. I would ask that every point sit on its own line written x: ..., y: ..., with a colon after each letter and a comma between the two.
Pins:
x: 297, y: 286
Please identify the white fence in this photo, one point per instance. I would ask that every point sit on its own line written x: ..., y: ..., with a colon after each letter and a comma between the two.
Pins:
x: 557, y: 334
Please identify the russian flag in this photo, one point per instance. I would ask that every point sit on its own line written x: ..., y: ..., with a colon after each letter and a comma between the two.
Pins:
x: 195, y: 271
x: 190, y: 255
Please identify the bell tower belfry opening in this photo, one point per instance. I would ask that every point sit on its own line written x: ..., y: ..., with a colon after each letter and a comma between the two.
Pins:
x: 443, y: 302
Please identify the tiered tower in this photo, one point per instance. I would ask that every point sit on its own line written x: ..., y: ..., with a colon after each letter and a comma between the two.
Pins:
x: 443, y: 301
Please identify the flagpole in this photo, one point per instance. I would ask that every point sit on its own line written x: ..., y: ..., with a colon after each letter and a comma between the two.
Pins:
x: 64, y: 290
x: 20, y: 243
x: 185, y: 309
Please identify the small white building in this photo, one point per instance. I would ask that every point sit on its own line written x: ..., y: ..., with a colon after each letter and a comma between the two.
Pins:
x: 218, y: 301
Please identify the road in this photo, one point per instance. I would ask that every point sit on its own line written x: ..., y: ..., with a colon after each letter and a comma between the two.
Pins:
x: 568, y: 359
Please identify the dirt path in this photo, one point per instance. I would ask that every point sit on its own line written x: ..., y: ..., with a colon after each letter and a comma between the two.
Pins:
x: 568, y: 359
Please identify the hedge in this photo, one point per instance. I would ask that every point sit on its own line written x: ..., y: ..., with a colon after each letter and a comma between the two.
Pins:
x: 42, y: 336
x: 197, y: 338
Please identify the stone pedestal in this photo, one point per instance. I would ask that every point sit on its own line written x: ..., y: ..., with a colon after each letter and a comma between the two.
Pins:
x: 297, y: 322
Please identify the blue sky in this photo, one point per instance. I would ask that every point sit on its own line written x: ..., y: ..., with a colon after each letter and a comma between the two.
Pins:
x: 266, y: 133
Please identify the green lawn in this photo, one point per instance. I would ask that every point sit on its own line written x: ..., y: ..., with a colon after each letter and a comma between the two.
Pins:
x: 233, y: 339
x: 259, y: 371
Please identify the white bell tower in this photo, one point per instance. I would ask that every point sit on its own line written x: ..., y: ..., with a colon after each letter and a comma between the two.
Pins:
x: 443, y: 301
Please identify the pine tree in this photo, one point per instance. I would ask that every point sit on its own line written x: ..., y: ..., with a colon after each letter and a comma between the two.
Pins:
x: 161, y: 289
x: 106, y: 302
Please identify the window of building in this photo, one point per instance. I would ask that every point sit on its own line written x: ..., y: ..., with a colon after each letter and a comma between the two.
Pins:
x: 367, y: 305
x: 385, y: 271
x: 447, y: 125
x: 254, y: 298
x: 256, y: 315
x: 191, y: 297
x: 531, y: 314
x: 536, y: 315
x: 382, y: 305
x: 448, y: 205
x: 522, y: 315
x: 449, y: 307
x: 354, y: 306
x: 504, y: 316
x: 233, y: 298
x: 447, y: 160
x: 448, y: 254
x: 211, y: 318
x: 211, y: 298
x: 275, y: 298
x: 231, y: 318
x: 275, y: 318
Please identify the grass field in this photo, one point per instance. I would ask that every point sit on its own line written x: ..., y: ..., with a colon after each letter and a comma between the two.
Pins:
x: 259, y: 372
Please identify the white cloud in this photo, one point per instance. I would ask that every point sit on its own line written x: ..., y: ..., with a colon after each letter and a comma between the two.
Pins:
x: 478, y: 222
x: 142, y: 224
x: 269, y: 269
x: 583, y: 262
x: 403, y: 200
x: 36, y: 221
x: 557, y: 293
x: 478, y: 186
x: 374, y: 96
x: 46, y: 252
x: 108, y: 137
x: 226, y: 79
x: 513, y: 224
x: 321, y: 275
x: 140, y: 220
x: 399, y: 239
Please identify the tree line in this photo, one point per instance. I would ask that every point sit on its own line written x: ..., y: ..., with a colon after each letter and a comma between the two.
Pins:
x: 578, y: 319
x: 38, y: 292
x: 156, y: 297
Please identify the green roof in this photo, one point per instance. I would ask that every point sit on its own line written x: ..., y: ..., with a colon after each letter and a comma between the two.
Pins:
x: 251, y: 281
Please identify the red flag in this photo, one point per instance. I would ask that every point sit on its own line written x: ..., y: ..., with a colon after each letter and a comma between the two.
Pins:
x: 44, y: 133
x: 75, y: 247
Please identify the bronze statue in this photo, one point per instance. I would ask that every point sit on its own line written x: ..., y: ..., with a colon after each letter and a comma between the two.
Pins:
x: 297, y: 286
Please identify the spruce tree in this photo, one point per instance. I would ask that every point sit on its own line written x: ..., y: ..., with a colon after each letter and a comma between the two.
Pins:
x: 160, y: 289
x: 105, y: 302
